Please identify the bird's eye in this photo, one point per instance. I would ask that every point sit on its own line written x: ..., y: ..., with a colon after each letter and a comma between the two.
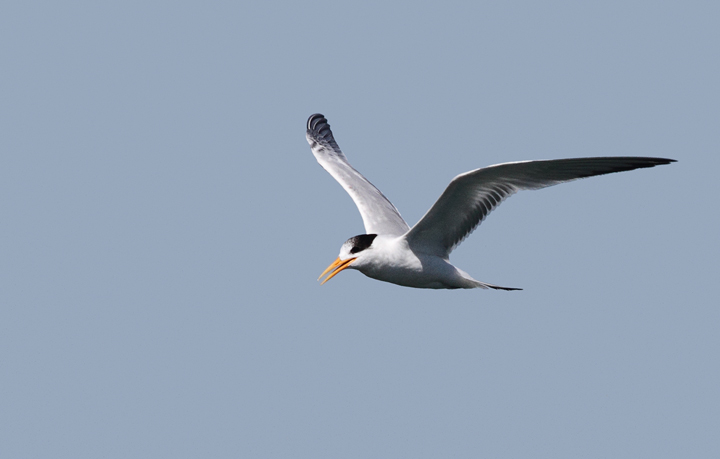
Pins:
x: 355, y: 250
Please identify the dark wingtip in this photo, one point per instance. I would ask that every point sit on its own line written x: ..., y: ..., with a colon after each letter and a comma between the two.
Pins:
x: 319, y: 129
x: 611, y: 164
x: 314, y: 120
x: 662, y: 161
x: 640, y: 162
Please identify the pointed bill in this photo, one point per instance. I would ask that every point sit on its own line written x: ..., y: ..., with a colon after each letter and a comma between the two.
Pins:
x: 337, y: 265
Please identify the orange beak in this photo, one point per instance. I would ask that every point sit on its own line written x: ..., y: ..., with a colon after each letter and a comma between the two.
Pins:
x: 338, y: 265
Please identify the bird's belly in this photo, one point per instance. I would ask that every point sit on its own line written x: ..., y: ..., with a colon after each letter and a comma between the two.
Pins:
x: 426, y: 272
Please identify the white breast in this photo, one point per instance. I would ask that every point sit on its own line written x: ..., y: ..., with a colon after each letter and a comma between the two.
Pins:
x: 391, y: 260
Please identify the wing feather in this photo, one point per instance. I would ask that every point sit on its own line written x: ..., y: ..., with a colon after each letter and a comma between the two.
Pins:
x: 379, y: 215
x: 471, y: 196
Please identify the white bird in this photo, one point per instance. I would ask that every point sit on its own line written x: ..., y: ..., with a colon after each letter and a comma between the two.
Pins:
x: 393, y: 252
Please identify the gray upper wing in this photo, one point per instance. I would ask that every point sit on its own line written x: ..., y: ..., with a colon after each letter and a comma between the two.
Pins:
x: 471, y: 196
x: 378, y: 213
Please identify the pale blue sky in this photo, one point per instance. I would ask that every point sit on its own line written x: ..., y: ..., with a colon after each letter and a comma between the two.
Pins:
x: 164, y: 221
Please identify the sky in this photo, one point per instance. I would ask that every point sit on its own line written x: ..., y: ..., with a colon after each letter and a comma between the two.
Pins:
x: 164, y: 222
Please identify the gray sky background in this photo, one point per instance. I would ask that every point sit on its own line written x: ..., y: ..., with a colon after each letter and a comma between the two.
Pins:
x: 164, y: 221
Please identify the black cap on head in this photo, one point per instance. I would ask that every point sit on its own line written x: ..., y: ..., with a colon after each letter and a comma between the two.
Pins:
x: 361, y: 242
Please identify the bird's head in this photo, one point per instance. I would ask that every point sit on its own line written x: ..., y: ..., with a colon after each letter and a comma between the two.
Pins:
x: 352, y: 254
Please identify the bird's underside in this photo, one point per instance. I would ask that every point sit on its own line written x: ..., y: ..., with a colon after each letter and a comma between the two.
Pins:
x: 391, y: 251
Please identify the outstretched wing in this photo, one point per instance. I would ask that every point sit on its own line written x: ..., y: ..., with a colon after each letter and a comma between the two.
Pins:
x: 378, y: 213
x: 471, y: 196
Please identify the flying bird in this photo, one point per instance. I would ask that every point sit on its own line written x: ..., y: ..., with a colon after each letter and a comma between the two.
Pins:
x: 418, y: 257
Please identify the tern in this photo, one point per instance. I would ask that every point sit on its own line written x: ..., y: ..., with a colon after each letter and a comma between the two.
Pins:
x: 418, y: 257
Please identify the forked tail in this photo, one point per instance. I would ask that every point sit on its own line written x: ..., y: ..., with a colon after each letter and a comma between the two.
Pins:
x: 496, y: 287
